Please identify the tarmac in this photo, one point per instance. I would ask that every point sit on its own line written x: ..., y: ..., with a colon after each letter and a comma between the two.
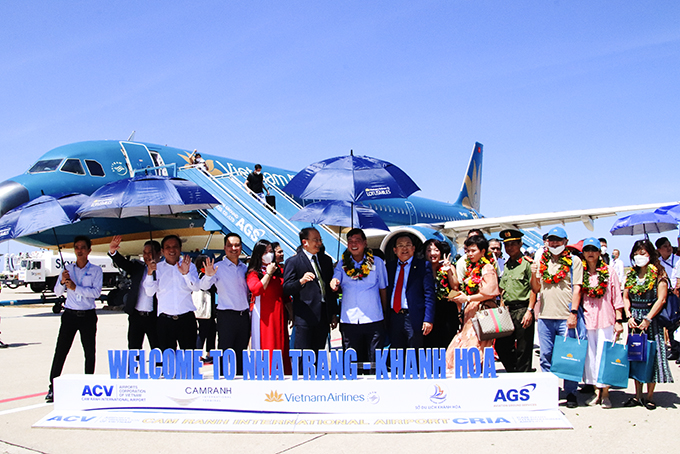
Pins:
x: 30, y: 331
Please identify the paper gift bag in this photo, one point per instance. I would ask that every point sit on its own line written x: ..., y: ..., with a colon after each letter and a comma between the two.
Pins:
x: 568, y: 357
x: 614, y: 366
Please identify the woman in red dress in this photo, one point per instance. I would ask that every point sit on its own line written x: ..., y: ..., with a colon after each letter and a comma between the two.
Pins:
x: 268, y: 305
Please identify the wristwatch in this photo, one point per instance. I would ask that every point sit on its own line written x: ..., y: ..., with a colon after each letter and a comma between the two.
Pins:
x: 574, y: 311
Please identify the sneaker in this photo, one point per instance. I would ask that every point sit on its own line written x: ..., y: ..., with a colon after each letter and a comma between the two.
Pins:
x: 606, y: 403
x: 49, y: 398
x: 572, y: 402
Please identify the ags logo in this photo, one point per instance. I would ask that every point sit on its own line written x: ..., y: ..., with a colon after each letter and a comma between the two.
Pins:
x: 273, y: 396
x: 513, y: 395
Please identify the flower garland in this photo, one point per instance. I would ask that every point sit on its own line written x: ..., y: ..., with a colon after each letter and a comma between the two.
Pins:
x: 442, y: 284
x: 602, y: 279
x: 357, y: 274
x: 648, y: 284
x: 473, y: 274
x: 565, y: 264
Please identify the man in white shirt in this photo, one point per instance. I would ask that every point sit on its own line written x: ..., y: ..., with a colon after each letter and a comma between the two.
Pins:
x: 233, y: 307
x: 82, y: 282
x: 497, y: 251
x: 172, y: 281
x: 617, y: 263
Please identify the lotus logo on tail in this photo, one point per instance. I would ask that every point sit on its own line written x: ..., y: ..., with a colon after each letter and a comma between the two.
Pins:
x: 439, y: 395
x: 273, y: 396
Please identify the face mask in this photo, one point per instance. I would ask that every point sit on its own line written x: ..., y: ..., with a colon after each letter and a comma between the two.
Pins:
x: 556, y: 250
x: 641, y: 260
x: 603, y: 249
x: 267, y: 258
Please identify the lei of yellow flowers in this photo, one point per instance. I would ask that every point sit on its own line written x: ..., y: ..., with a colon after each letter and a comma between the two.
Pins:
x: 364, y: 270
x: 473, y: 274
x: 648, y: 284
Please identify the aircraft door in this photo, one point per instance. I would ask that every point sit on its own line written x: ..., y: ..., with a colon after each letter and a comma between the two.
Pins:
x: 136, y: 155
x: 413, y: 215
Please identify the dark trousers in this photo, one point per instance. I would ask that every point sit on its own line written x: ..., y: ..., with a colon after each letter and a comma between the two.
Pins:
x: 140, y: 325
x: 445, y: 325
x: 402, y: 334
x: 365, y: 338
x: 207, y: 331
x: 233, y: 328
x: 515, y: 351
x: 311, y: 337
x: 176, y: 329
x: 72, y: 322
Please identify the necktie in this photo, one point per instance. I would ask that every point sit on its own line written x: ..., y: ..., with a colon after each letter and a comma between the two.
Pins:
x: 398, y: 287
x: 317, y: 270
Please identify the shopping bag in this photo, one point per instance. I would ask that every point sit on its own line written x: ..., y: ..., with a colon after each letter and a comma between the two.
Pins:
x: 642, y: 371
x: 670, y: 313
x: 568, y: 357
x: 201, y: 299
x: 614, y: 366
x: 637, y: 346
x: 493, y: 323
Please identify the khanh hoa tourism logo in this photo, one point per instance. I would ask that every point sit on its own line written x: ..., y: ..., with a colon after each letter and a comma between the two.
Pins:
x: 439, y: 396
x: 273, y: 396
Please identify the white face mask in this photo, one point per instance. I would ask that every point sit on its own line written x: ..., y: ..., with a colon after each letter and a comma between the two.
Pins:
x: 267, y: 258
x: 556, y: 250
x: 603, y: 249
x: 641, y: 260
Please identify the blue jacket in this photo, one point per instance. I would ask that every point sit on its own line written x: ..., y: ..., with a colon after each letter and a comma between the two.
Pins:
x: 419, y: 291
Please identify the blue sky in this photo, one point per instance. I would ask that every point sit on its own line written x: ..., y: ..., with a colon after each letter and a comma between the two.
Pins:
x: 576, y: 102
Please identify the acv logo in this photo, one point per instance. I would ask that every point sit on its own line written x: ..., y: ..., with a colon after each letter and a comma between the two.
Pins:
x: 513, y: 395
x: 98, y: 391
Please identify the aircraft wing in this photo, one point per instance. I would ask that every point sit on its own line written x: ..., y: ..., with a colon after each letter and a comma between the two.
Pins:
x: 525, y: 221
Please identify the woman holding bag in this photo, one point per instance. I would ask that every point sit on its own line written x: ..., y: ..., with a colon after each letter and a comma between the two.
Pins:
x: 643, y: 299
x: 603, y: 307
x: 480, y: 285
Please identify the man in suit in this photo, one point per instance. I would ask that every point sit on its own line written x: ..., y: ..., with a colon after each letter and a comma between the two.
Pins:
x: 410, y: 286
x: 140, y: 307
x: 306, y: 278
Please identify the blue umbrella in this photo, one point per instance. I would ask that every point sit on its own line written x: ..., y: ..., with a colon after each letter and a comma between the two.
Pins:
x: 146, y: 195
x: 340, y: 213
x: 351, y: 179
x: 672, y: 210
x: 42, y: 213
x: 644, y: 224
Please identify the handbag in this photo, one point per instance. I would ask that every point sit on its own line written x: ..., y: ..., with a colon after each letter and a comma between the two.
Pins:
x: 643, y: 371
x: 492, y: 323
x: 568, y: 357
x: 670, y: 313
x: 201, y: 300
x: 637, y: 346
x: 614, y: 366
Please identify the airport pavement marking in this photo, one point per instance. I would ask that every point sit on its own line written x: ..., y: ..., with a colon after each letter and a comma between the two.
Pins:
x: 29, y: 407
x: 21, y: 397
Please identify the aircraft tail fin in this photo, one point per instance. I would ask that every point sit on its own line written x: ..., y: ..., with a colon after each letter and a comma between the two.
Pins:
x: 471, y: 191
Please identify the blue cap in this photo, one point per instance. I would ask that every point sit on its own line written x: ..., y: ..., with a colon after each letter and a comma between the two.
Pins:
x: 558, y: 232
x: 591, y: 242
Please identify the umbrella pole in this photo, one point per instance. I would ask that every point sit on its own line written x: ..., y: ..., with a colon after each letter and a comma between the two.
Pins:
x: 337, y: 255
x: 148, y: 211
x: 56, y: 240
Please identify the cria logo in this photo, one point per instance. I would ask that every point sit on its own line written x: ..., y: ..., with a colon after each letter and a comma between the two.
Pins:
x: 439, y: 396
x: 513, y: 395
x: 98, y: 391
x: 273, y: 396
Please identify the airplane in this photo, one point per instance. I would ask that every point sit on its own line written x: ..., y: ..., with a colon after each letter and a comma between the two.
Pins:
x: 85, y: 166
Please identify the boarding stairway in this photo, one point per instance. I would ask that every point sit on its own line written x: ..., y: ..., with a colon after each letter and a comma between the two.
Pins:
x: 242, y: 213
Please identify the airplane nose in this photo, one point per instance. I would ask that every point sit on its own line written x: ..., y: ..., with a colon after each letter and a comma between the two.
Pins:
x: 12, y: 194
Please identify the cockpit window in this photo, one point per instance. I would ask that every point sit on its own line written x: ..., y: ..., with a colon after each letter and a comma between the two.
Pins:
x: 73, y: 166
x: 96, y: 169
x: 46, y: 165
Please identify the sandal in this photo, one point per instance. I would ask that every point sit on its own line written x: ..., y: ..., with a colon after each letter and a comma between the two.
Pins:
x: 649, y: 405
x: 632, y: 402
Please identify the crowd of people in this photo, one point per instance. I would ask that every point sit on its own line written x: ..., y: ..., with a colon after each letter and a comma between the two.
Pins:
x: 420, y: 298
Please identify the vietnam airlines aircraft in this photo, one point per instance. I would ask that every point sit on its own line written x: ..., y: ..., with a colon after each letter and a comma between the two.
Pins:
x: 85, y: 166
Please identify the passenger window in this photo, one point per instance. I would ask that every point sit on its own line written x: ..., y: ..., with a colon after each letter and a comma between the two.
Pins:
x: 73, y: 166
x: 96, y: 169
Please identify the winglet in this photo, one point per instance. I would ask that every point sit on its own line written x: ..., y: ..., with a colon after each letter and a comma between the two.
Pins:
x: 471, y: 192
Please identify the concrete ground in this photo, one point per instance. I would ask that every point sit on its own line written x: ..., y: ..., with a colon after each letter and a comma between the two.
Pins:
x: 30, y: 330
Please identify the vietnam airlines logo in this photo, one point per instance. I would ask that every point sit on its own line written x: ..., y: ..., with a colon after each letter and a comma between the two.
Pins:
x: 569, y: 355
x: 273, y: 396
x: 473, y: 185
x: 618, y: 360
